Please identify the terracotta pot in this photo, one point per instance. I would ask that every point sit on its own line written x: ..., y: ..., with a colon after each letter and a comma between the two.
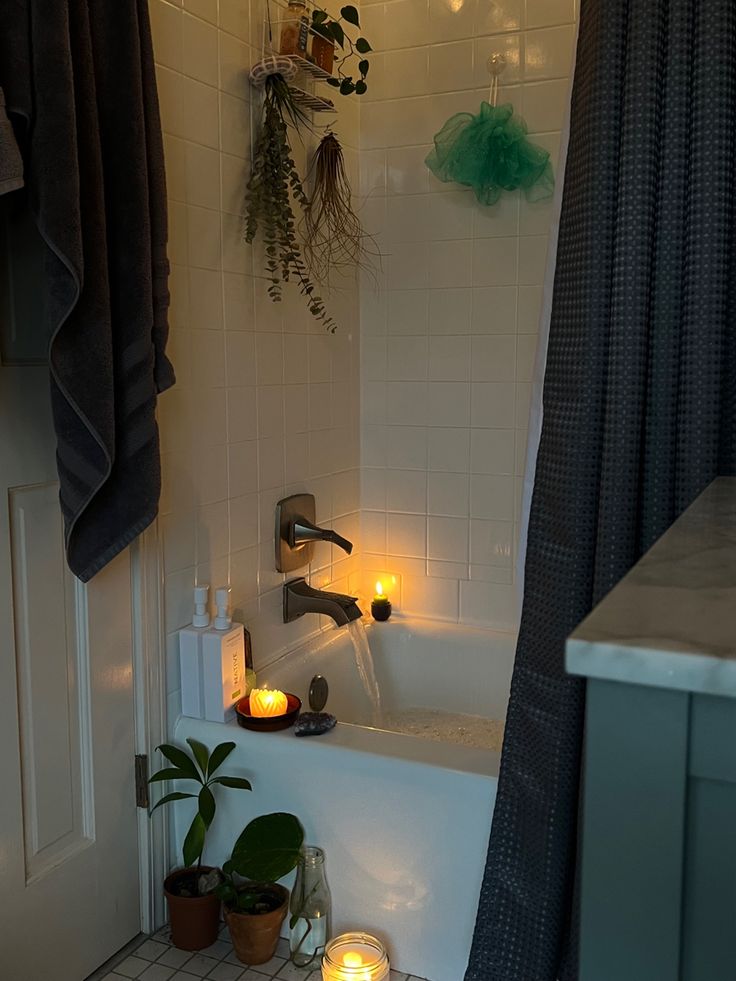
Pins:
x: 194, y: 921
x: 255, y: 935
x: 323, y: 52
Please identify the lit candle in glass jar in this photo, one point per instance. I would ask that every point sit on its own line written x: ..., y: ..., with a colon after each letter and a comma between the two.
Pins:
x: 355, y: 957
x: 264, y: 702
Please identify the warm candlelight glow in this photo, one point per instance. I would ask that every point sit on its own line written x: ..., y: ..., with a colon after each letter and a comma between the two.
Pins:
x: 355, y: 957
x: 265, y: 703
x: 379, y: 591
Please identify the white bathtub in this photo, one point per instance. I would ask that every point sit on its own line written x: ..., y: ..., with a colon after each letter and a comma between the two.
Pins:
x: 404, y: 820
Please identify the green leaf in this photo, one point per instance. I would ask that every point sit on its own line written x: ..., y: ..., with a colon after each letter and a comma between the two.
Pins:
x: 219, y: 755
x: 364, y: 67
x: 338, y: 33
x: 360, y: 88
x: 268, y: 848
x: 201, y: 755
x: 170, y: 773
x: 236, y: 783
x: 319, y: 16
x: 180, y: 759
x: 168, y: 799
x: 362, y: 46
x: 346, y: 86
x: 207, y: 806
x: 350, y: 14
x: 324, y: 31
x: 335, y: 82
x: 194, y: 841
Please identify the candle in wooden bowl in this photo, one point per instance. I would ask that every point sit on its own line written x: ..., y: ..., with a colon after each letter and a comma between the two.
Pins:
x: 267, y: 702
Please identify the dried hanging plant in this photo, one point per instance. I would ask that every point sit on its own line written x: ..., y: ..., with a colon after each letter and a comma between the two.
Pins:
x: 334, y: 236
x: 274, y: 181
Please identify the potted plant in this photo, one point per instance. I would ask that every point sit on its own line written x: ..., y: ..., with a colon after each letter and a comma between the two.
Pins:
x: 273, y: 184
x: 193, y: 903
x: 328, y: 32
x: 255, y: 904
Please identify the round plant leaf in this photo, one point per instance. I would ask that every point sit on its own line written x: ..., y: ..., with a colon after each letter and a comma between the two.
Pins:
x: 268, y: 849
x: 346, y: 86
x: 360, y: 88
x: 350, y: 14
x: 335, y: 82
x: 319, y: 16
x: 362, y: 46
x: 364, y: 67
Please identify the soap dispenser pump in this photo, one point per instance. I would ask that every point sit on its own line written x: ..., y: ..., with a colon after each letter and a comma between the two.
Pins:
x: 190, y: 655
x: 223, y: 662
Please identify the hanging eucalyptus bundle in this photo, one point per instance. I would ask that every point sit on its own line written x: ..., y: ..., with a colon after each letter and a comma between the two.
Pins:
x: 273, y: 183
x: 334, y: 236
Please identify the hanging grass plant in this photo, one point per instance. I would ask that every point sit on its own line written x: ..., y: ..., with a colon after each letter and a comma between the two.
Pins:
x: 274, y: 184
x: 334, y: 237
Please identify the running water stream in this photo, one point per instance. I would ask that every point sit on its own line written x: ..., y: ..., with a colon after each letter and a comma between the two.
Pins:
x: 364, y: 663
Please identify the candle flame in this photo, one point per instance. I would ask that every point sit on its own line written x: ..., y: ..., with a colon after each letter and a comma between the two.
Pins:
x: 379, y: 589
x: 352, y: 959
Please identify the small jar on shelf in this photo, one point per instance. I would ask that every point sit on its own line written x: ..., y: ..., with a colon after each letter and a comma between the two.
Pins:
x: 295, y: 29
x: 323, y: 52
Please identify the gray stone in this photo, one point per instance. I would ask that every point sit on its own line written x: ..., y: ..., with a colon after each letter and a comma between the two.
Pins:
x: 314, y: 723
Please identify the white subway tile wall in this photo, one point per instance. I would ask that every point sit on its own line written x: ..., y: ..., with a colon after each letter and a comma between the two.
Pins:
x: 449, y: 332
x: 266, y: 403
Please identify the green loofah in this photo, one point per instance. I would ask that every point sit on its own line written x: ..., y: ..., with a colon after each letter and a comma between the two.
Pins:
x: 490, y: 152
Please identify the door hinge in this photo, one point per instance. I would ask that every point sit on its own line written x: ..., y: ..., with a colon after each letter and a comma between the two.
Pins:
x: 141, y: 781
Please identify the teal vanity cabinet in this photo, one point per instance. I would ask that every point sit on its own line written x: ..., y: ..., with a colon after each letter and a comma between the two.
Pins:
x: 658, y: 842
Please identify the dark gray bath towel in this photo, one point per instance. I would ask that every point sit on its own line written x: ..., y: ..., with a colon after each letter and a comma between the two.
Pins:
x: 79, y: 76
x: 11, y: 162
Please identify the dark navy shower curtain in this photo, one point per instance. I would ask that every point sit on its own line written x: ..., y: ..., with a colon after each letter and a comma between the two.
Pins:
x: 639, y: 414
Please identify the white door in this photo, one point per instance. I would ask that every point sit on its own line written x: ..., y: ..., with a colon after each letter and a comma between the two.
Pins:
x: 68, y: 841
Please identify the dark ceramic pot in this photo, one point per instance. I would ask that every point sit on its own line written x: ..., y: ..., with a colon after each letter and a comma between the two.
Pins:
x: 194, y: 920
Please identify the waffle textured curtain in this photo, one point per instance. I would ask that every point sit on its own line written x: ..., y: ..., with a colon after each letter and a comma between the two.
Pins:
x: 639, y: 414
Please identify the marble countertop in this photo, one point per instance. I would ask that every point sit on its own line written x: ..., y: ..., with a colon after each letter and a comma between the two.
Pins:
x: 671, y: 621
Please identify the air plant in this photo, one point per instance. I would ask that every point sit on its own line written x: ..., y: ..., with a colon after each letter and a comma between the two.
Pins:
x: 334, y: 236
x: 274, y: 181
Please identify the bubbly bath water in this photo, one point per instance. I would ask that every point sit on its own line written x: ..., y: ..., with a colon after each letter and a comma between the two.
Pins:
x: 366, y: 670
x: 452, y: 727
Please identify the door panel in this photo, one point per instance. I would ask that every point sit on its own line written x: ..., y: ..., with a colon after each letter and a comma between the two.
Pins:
x: 53, y: 692
x: 68, y: 824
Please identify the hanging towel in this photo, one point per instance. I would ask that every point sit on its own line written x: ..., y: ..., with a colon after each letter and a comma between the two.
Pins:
x: 11, y: 162
x: 79, y: 76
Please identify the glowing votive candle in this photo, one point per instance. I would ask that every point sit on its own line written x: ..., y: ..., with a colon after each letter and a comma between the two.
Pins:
x: 380, y: 607
x: 265, y: 703
x: 355, y: 957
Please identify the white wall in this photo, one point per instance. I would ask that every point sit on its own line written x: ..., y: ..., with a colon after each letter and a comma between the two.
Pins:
x: 449, y: 335
x: 266, y: 402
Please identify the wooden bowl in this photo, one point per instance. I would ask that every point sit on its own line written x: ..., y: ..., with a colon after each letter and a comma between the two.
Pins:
x: 268, y: 723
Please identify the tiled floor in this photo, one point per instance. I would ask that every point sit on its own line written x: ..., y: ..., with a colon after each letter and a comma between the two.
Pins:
x: 156, y: 960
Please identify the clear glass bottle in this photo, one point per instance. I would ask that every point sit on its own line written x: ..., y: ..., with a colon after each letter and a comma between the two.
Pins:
x: 310, y: 908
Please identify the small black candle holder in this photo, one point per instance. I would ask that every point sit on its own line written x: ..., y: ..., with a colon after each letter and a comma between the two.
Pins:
x: 381, y: 610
